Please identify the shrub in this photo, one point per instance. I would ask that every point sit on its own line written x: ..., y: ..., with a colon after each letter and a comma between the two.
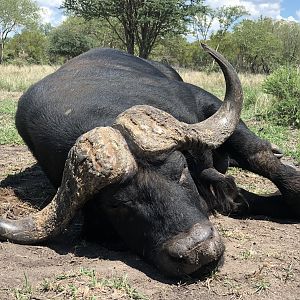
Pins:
x: 284, y: 84
x: 250, y: 96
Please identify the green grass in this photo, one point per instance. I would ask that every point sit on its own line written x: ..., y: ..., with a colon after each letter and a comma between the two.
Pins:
x: 286, y: 138
x: 25, y: 292
x: 84, y: 284
x: 10, y: 86
x: 8, y: 131
x: 8, y: 106
x: 279, y: 135
x: 247, y: 254
x: 15, y: 79
x: 261, y: 286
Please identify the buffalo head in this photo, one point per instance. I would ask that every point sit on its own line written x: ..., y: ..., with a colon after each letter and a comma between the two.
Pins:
x: 138, y: 174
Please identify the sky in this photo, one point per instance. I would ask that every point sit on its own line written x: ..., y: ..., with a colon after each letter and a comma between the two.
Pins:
x: 277, y: 9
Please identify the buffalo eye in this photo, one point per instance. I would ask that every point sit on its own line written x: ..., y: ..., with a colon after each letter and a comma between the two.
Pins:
x: 173, y: 167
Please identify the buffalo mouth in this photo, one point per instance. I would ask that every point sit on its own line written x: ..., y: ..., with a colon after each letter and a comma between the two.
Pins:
x: 195, y: 253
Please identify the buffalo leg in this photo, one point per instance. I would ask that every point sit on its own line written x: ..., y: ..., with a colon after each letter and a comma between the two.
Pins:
x: 256, y: 155
x: 222, y: 195
x: 272, y: 206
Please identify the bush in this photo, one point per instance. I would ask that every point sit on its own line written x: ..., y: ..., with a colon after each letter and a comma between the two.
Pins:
x: 250, y: 96
x: 284, y: 84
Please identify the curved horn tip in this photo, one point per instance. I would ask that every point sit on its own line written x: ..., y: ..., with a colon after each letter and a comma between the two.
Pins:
x: 205, y: 47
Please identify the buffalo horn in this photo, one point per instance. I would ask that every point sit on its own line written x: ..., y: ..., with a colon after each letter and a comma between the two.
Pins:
x: 150, y: 131
x: 98, y: 158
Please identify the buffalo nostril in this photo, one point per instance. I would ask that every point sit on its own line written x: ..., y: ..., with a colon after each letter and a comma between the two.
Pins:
x: 197, y: 250
x: 186, y: 246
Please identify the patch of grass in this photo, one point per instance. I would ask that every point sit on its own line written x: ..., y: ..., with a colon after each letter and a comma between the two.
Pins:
x: 91, y: 275
x: 261, y: 286
x: 247, y: 254
x: 84, y: 284
x: 214, y: 83
x: 122, y: 284
x: 287, y: 139
x: 8, y: 131
x: 66, y: 276
x: 288, y: 273
x: 45, y: 286
x: 18, y: 79
x: 25, y: 292
x: 8, y: 106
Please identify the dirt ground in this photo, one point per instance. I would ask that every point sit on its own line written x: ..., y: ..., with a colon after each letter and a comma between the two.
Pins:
x: 262, y: 259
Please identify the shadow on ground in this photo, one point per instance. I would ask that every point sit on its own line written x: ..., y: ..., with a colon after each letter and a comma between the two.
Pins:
x: 30, y: 191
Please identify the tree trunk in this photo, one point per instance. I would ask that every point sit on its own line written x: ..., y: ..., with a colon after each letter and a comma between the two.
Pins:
x: 130, y: 47
x: 145, y: 45
x: 129, y: 39
x: 144, y: 51
x: 1, y: 52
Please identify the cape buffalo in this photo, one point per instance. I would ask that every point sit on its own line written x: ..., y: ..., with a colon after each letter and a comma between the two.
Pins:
x: 144, y: 155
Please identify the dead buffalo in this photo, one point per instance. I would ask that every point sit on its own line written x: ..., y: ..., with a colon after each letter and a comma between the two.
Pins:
x: 144, y: 155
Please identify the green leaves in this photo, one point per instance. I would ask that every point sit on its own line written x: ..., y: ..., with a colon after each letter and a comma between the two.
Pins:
x: 76, y: 35
x: 284, y: 84
x: 30, y: 46
x: 13, y: 14
x: 18, y: 12
x: 142, y: 22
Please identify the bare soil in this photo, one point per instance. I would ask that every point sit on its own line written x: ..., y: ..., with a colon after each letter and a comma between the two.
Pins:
x: 262, y: 259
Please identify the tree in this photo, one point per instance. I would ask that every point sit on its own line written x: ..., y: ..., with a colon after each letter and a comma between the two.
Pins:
x: 176, y: 51
x: 284, y: 85
x: 15, y: 14
x: 202, y: 23
x: 289, y: 33
x: 69, y: 40
x: 46, y: 28
x: 260, y: 49
x: 76, y: 35
x: 228, y: 15
x: 29, y: 46
x: 142, y: 21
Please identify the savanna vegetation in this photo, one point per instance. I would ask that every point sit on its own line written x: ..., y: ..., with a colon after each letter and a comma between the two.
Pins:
x: 259, y: 111
x: 168, y: 31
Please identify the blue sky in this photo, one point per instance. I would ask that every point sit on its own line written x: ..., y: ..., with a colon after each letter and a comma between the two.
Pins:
x: 277, y: 9
x: 291, y: 8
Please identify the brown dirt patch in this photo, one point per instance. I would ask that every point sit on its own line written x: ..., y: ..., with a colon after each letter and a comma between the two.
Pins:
x: 262, y: 258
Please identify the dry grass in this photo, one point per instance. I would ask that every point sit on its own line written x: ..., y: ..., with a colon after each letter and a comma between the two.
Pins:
x: 257, y: 107
x: 214, y: 82
x: 14, y: 80
x: 18, y: 79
